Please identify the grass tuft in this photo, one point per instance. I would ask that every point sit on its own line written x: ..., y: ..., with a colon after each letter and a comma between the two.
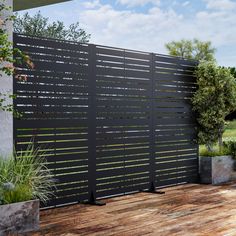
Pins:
x: 24, y: 176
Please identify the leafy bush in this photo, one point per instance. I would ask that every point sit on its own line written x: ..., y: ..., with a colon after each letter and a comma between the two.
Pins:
x: 24, y: 176
x: 230, y: 144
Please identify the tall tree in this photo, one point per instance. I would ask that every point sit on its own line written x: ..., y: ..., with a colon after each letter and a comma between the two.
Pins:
x: 213, y: 101
x: 192, y: 49
x: 38, y: 25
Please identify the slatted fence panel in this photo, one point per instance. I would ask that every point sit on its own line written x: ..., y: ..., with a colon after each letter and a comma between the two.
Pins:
x: 110, y: 121
x: 54, y: 102
x: 176, y: 151
x: 123, y: 86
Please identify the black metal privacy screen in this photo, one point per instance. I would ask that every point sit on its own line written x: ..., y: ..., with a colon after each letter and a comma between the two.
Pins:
x: 110, y: 121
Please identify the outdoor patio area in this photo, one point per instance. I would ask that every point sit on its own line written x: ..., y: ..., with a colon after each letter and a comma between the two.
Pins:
x: 190, y: 209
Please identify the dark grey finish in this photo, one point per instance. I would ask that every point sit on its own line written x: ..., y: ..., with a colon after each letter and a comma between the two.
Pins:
x: 19, y: 217
x: 112, y: 121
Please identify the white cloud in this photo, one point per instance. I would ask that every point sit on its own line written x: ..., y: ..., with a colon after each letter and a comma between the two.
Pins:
x: 185, y: 3
x: 152, y: 29
x: 218, y: 26
x: 133, y: 3
x: 145, y: 31
x: 220, y: 4
x: 93, y: 4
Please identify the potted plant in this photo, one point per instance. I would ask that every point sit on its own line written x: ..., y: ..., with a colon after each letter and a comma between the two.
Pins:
x: 214, y: 99
x: 24, y: 181
x: 216, y: 167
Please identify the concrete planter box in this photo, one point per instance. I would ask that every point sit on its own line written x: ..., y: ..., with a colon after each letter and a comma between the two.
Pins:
x: 216, y: 170
x: 19, y: 217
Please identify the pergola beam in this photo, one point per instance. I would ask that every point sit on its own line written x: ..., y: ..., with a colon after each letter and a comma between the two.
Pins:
x: 19, y: 5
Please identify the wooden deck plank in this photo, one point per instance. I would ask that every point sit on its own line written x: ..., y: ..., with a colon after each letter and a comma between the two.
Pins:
x: 189, y: 209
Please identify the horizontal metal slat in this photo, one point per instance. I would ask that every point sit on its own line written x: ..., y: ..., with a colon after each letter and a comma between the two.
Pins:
x: 68, y: 164
x: 52, y: 101
x: 175, y: 147
x: 121, y: 171
x: 75, y: 170
x: 73, y: 191
x: 176, y: 157
x: 175, y: 66
x: 169, y: 121
x: 136, y: 102
x: 71, y: 57
x: 179, y: 88
x: 142, y: 157
x: 71, y: 177
x: 178, y: 163
x: 176, y: 60
x: 52, y: 87
x: 123, y: 91
x: 175, y: 181
x: 104, y: 193
x: 123, y: 83
x: 168, y: 77
x: 174, y: 71
x: 122, y: 122
x: 52, y: 43
x: 177, y: 137
x: 67, y: 200
x: 37, y: 123
x: 109, y: 51
x: 137, y: 55
x: 39, y: 75
x: 69, y: 156
x: 119, y: 151
x: 79, y: 109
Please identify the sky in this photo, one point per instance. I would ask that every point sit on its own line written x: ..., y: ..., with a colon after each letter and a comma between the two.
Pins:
x: 148, y: 25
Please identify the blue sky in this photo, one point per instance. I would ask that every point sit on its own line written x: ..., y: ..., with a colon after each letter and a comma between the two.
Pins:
x: 148, y: 24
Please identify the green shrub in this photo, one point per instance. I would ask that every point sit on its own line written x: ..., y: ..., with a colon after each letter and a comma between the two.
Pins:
x: 214, y: 152
x: 230, y: 144
x: 24, y: 176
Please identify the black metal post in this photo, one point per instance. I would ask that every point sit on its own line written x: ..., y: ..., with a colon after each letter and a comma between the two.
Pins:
x: 92, y: 128
x: 152, y: 164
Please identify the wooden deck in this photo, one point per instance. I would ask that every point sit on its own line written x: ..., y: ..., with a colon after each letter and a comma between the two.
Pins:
x: 184, y: 210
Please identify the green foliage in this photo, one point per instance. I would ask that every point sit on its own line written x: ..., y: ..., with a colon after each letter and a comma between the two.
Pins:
x: 192, y: 49
x: 230, y: 131
x: 24, y: 176
x: 231, y: 125
x: 214, y: 152
x: 230, y: 144
x: 38, y: 25
x: 213, y: 101
x: 233, y: 71
x: 6, y: 49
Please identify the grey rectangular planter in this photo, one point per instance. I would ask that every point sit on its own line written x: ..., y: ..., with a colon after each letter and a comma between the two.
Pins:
x: 216, y: 170
x: 19, y: 217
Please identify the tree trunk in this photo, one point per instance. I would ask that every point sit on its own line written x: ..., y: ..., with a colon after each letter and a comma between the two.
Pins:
x: 209, y: 147
x: 220, y: 137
